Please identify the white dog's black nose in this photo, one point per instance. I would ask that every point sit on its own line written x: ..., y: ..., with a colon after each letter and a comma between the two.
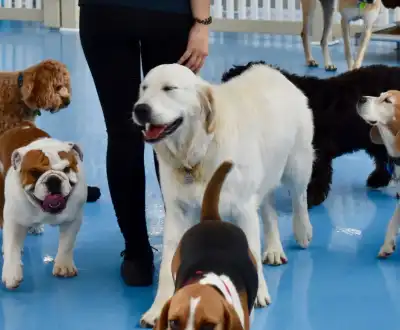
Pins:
x: 53, y: 185
x: 142, y: 112
x: 362, y: 100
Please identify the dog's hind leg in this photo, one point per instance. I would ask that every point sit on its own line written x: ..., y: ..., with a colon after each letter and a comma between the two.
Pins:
x: 308, y: 9
x: 321, y: 179
x: 363, y: 47
x: 328, y: 8
x: 273, y: 254
x: 247, y: 218
x: 297, y: 176
x: 346, y: 40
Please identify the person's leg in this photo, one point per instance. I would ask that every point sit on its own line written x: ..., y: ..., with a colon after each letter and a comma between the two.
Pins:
x: 113, y: 55
x: 164, y: 43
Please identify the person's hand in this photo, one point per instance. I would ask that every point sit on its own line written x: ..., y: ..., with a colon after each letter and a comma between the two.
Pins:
x: 197, y: 48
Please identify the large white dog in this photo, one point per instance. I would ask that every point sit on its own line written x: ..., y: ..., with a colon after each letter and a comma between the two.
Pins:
x: 261, y: 122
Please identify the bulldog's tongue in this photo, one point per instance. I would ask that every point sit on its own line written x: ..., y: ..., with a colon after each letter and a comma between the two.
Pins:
x: 54, y: 203
x: 152, y: 132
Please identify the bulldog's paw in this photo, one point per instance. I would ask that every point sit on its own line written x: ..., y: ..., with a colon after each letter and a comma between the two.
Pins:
x: 36, y: 230
x: 12, y: 275
x: 64, y: 267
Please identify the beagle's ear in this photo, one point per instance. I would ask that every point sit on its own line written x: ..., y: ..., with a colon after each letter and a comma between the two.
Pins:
x: 375, y: 135
x: 162, y: 322
x: 207, y: 105
x: 231, y: 319
x: 397, y: 142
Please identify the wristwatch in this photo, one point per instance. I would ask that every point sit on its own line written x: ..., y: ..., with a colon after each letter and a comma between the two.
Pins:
x: 206, y: 21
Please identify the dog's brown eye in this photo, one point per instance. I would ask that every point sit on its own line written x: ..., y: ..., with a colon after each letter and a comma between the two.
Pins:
x: 387, y: 100
x: 144, y: 87
x: 67, y: 170
x: 207, y: 326
x: 174, y: 324
x: 36, y: 174
x: 168, y: 88
x: 58, y: 88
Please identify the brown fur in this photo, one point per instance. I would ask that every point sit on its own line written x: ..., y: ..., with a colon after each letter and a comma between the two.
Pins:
x: 45, y: 86
x: 34, y: 162
x: 212, y: 308
x: 393, y: 126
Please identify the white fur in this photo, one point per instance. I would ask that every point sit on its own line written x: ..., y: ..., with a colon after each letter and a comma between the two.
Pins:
x: 232, y: 297
x: 261, y: 122
x: 380, y: 111
x: 190, y: 325
x: 20, y: 214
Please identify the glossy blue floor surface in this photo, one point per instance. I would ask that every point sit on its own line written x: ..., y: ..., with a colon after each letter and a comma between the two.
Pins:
x: 338, y: 283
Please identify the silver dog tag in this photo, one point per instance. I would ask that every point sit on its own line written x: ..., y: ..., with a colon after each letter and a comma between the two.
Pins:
x: 188, y: 177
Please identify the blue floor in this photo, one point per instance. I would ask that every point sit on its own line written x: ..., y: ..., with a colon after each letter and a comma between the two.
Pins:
x: 336, y: 284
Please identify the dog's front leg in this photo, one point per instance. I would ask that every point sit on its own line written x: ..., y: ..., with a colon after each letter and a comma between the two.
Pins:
x: 175, y: 226
x: 389, y: 245
x: 363, y: 47
x: 247, y: 218
x: 64, y: 265
x: 346, y: 40
x: 13, y: 240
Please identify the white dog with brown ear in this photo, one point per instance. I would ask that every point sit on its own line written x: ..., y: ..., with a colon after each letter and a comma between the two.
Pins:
x: 384, y: 114
x: 41, y: 182
x: 260, y: 121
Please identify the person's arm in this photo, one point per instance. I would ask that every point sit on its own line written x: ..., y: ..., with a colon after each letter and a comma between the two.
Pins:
x: 200, y: 9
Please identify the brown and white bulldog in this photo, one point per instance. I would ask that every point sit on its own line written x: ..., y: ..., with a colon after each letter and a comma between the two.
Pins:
x: 215, y: 273
x: 41, y: 182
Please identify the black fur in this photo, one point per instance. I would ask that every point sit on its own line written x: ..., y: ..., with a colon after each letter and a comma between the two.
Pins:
x: 338, y: 128
x: 93, y: 194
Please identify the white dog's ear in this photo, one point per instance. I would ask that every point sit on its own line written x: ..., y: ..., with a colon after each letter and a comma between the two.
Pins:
x: 16, y: 160
x: 77, y: 150
x: 207, y: 105
x: 375, y: 135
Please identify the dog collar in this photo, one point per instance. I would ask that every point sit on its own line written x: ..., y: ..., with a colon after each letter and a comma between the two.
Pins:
x: 20, y: 79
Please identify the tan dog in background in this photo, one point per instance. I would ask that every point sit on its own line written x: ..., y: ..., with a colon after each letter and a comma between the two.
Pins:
x: 214, y: 271
x: 384, y: 114
x: 350, y: 10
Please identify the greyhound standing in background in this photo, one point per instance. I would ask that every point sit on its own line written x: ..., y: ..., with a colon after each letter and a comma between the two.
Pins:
x: 350, y: 10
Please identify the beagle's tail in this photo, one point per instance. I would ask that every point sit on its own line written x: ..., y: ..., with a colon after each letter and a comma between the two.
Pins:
x: 209, y: 209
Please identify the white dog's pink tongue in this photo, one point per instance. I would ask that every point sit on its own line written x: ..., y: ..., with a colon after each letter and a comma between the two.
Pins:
x: 54, y: 203
x: 154, y: 131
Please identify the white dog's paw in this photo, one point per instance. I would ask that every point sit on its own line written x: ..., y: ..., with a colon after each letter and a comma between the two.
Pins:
x: 303, y: 232
x: 12, y: 275
x: 387, y: 249
x: 149, y: 318
x: 36, y: 230
x: 64, y: 267
x: 274, y: 255
x: 263, y: 297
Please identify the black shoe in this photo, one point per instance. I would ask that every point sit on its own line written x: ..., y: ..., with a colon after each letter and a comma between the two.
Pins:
x: 93, y: 194
x: 137, y: 271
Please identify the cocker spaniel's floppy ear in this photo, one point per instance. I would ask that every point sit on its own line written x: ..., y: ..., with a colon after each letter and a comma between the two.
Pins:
x: 28, y: 83
x: 207, y: 105
x: 375, y: 135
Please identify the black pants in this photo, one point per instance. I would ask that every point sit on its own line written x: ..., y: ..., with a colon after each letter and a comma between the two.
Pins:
x: 116, y: 42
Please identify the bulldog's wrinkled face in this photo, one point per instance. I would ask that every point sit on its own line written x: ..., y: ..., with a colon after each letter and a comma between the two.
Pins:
x: 48, y: 171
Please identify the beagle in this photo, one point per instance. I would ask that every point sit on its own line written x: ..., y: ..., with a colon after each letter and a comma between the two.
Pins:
x: 383, y: 113
x: 214, y: 271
